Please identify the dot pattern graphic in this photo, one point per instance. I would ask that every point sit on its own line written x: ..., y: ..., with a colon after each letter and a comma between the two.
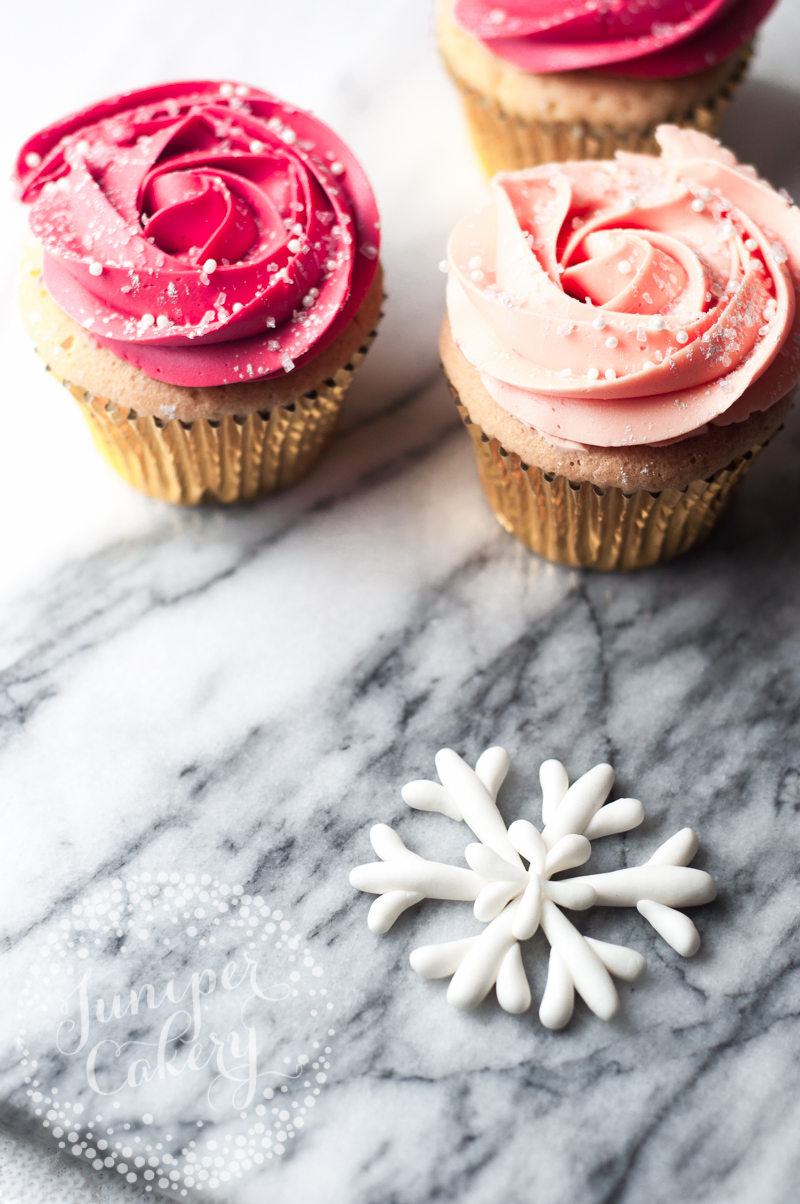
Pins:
x: 166, y: 926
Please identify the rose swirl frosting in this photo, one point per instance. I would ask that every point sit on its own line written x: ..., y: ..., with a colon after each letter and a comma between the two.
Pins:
x: 633, y: 301
x: 205, y: 232
x: 660, y: 39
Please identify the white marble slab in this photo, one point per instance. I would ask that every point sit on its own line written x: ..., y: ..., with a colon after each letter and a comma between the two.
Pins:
x: 241, y: 694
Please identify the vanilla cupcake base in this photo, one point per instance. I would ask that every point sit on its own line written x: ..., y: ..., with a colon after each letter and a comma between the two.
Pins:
x: 226, y: 443
x: 518, y: 119
x: 588, y: 508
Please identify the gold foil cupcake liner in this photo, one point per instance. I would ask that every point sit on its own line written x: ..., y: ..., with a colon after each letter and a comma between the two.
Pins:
x: 231, y: 459
x: 578, y: 524
x: 505, y: 142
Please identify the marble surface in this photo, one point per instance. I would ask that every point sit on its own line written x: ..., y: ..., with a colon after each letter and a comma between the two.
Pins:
x: 241, y: 694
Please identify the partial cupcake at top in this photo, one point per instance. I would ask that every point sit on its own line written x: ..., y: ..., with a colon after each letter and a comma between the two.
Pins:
x: 204, y: 278
x: 549, y: 80
x: 622, y: 340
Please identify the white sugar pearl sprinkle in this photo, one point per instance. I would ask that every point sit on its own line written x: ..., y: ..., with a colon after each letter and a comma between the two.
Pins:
x: 161, y: 321
x: 237, y: 307
x: 444, y: 266
x: 210, y: 266
x: 612, y: 342
x: 751, y: 244
x: 610, y: 374
x: 95, y: 269
x: 565, y: 372
x: 476, y: 261
x: 682, y: 336
x: 657, y: 323
x: 477, y: 275
x: 256, y: 147
x: 593, y: 374
x: 294, y: 245
x: 706, y: 194
x: 599, y: 322
x: 32, y: 159
x: 698, y: 205
x: 337, y: 168
x: 624, y: 266
x: 648, y: 366
x: 147, y: 320
x: 226, y: 89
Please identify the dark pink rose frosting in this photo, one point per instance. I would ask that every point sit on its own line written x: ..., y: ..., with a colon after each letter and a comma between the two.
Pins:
x: 205, y: 232
x: 653, y: 39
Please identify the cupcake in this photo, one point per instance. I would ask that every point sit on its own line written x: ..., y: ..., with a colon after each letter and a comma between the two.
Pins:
x: 203, y: 277
x: 621, y: 340
x: 544, y: 81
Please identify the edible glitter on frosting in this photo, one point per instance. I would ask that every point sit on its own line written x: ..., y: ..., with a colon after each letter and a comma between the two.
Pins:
x: 514, y: 901
x: 631, y: 301
x: 659, y: 39
x: 205, y: 232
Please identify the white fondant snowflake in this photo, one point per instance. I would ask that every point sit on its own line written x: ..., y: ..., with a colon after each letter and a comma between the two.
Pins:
x: 513, y: 901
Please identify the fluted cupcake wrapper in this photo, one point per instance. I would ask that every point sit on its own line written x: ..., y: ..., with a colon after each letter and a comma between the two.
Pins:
x: 232, y: 459
x: 578, y: 524
x: 505, y: 142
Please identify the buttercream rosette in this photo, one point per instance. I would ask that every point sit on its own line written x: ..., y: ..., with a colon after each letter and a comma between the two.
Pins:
x: 619, y: 333
x: 206, y: 279
x: 633, y: 301
x: 205, y: 232
x: 655, y: 40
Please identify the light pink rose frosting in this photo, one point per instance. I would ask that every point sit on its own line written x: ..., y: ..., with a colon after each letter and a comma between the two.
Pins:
x: 651, y: 39
x: 205, y: 232
x: 633, y: 301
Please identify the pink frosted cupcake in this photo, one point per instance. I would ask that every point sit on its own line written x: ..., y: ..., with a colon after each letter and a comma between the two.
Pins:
x: 622, y: 340
x: 204, y: 278
x: 547, y: 80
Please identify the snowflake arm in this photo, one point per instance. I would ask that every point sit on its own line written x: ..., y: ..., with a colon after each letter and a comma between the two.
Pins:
x: 514, y: 901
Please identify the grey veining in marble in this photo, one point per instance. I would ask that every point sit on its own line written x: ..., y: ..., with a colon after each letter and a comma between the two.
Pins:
x: 241, y: 694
